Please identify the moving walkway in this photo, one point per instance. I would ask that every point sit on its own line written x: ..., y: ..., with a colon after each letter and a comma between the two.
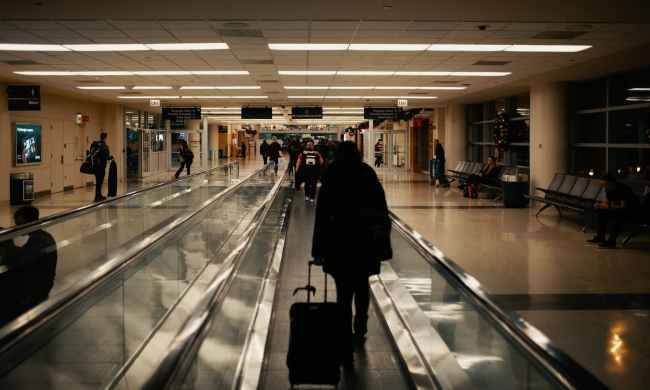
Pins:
x: 200, y: 300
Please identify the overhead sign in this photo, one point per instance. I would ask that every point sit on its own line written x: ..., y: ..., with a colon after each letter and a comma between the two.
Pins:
x: 257, y: 113
x: 154, y: 102
x: 381, y: 113
x: 178, y: 116
x: 24, y: 97
x: 402, y: 103
x: 315, y: 112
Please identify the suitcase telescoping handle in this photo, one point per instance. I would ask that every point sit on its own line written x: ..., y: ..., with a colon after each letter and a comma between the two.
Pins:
x: 311, y: 290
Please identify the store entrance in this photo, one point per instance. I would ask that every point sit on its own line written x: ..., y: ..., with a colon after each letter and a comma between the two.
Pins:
x: 395, y: 148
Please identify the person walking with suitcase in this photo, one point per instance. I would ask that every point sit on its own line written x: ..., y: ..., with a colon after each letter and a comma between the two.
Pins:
x: 351, y: 204
x: 99, y: 156
x: 264, y: 151
x: 274, y: 154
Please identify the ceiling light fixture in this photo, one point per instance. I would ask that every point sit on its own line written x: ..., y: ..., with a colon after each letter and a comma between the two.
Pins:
x: 308, y: 46
x: 361, y: 97
x: 144, y: 87
x: 188, y: 46
x: 307, y: 72
x: 108, y: 47
x: 639, y: 89
x: 148, y: 97
x: 208, y: 87
x: 132, y: 73
x: 365, y: 72
x: 389, y: 46
x: 101, y: 87
x: 223, y: 97
x: 466, y: 47
x: 30, y: 47
x: 547, y: 48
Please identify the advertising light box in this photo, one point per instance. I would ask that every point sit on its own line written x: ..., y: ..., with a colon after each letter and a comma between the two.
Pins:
x: 28, y: 146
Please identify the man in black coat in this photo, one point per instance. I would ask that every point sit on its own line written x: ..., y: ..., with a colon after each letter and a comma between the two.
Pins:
x: 351, y: 207
x: 100, y: 156
x: 30, y: 263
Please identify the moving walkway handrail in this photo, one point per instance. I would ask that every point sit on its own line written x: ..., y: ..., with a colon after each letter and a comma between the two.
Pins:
x: 531, y: 340
x: 13, y: 231
x: 175, y: 359
x: 32, y: 320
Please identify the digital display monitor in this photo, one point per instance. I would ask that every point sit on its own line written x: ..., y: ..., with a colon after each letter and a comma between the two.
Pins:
x: 256, y: 113
x: 24, y: 98
x: 28, y: 144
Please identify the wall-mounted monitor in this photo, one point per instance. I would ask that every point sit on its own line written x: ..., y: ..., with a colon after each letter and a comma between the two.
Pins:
x: 256, y: 113
x: 27, y: 144
x: 24, y: 98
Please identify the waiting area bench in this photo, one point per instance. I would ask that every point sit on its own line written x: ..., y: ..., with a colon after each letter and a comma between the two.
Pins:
x: 570, y: 193
x: 464, y: 169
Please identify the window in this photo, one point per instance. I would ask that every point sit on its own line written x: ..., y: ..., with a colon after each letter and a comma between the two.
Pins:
x: 480, y: 129
x: 610, y: 125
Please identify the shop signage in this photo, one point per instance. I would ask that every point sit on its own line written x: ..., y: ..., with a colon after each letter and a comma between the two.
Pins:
x: 307, y: 112
x: 381, y: 113
x: 402, y: 103
x: 178, y: 116
x: 154, y: 102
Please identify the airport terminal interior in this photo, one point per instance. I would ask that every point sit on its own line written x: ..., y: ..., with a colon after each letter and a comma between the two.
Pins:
x: 158, y: 226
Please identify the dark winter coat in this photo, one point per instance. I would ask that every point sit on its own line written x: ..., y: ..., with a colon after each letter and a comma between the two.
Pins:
x: 352, y: 228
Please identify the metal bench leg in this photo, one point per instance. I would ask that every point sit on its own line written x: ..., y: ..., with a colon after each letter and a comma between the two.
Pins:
x: 542, y: 209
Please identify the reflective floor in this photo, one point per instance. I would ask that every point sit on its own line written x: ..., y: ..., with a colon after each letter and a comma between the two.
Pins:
x: 593, y: 303
x: 62, y: 201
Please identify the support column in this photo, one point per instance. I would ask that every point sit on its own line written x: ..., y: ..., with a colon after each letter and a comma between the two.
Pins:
x: 194, y: 139
x: 204, y: 143
x: 455, y: 135
x: 6, y: 146
x: 549, y: 140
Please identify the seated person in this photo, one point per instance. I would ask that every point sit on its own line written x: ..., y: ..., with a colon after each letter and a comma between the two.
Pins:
x: 488, y: 172
x: 29, y: 268
x: 622, y: 204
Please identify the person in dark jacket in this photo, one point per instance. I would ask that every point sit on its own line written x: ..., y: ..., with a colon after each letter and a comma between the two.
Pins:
x: 274, y: 153
x: 264, y: 151
x: 622, y: 204
x: 351, y: 206
x: 308, y: 169
x: 100, y: 154
x: 439, y: 160
x: 187, y: 156
x: 29, y: 268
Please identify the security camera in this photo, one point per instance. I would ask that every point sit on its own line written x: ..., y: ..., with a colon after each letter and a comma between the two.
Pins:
x: 483, y: 27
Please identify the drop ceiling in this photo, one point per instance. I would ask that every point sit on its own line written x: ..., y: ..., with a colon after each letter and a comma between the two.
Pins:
x: 248, y: 50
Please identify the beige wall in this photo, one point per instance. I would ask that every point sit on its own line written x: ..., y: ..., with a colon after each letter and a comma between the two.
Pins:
x: 63, y: 141
x: 549, y: 150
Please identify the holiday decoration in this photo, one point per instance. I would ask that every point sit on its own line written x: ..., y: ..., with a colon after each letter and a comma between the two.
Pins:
x: 502, y: 131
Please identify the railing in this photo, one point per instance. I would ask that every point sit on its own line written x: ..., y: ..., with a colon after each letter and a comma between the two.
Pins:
x: 14, y: 231
x: 36, y: 318
x: 460, y: 287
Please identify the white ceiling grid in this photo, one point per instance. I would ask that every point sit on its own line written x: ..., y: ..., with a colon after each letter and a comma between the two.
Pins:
x: 248, y: 41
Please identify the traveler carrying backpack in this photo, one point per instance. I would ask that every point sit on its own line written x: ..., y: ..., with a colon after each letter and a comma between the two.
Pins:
x: 315, y: 340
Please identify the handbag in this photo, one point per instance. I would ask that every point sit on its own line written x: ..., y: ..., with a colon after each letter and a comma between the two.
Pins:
x: 87, y: 168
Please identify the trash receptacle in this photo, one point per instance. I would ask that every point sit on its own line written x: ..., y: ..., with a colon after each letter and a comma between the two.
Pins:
x: 514, y: 189
x: 21, y: 188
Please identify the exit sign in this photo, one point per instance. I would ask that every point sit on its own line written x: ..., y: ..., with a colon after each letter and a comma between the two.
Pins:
x: 402, y: 103
x: 154, y: 102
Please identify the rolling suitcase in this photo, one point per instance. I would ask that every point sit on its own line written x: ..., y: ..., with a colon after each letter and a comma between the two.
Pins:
x: 112, y: 179
x: 315, y: 348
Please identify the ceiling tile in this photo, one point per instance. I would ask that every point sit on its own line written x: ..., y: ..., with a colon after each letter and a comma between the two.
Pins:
x: 334, y: 25
x: 87, y: 24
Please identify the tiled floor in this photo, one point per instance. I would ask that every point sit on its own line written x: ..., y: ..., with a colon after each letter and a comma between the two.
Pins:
x: 593, y: 303
x: 376, y: 364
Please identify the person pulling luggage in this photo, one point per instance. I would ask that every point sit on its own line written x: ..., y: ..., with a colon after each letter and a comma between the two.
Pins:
x: 274, y: 154
x: 308, y: 169
x: 99, y: 156
x: 352, y: 206
x: 186, y: 156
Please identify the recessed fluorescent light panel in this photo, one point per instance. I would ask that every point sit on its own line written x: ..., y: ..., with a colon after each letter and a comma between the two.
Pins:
x: 361, y: 97
x: 343, y: 87
x: 30, y: 47
x: 388, y: 73
x: 133, y: 73
x: 388, y: 47
x: 102, y: 87
x: 466, y: 47
x: 113, y: 46
x: 547, y: 48
x: 145, y: 87
x: 149, y: 97
x: 308, y: 46
x: 208, y: 87
x: 639, y: 89
x: 188, y: 46
x: 108, y: 47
